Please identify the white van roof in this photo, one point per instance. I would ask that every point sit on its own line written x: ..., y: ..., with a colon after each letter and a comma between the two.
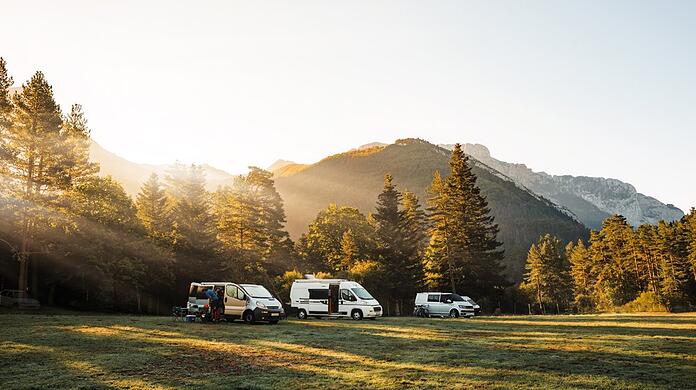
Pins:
x: 320, y: 280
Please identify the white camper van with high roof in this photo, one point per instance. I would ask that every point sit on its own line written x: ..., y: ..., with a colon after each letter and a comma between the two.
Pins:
x: 333, y: 298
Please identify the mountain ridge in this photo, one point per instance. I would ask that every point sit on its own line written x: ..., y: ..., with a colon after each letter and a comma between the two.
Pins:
x: 592, y: 199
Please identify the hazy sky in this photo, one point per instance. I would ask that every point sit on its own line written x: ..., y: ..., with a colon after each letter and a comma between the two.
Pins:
x: 585, y: 88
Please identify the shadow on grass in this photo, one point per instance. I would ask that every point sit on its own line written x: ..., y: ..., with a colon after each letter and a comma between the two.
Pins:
x: 151, y: 352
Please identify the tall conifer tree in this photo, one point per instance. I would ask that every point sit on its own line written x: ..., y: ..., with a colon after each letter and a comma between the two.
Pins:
x: 154, y: 211
x: 691, y: 224
x: 464, y: 234
x: 387, y: 221
x: 195, y: 234
x: 40, y: 161
x: 414, y: 240
x: 5, y: 108
x: 548, y: 278
x: 582, y: 274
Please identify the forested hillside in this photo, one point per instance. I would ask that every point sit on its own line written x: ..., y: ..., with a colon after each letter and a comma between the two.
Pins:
x: 355, y: 178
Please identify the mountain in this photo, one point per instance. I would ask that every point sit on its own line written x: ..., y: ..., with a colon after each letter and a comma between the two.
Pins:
x: 592, y: 199
x: 355, y: 178
x: 132, y: 175
x: 279, y: 164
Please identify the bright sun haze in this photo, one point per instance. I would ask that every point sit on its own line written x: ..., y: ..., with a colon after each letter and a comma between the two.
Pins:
x: 586, y: 88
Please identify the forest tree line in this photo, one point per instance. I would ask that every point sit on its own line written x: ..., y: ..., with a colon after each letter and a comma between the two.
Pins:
x: 73, y: 238
x: 651, y: 268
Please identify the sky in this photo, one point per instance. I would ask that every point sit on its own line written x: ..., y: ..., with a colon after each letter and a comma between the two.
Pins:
x: 590, y: 88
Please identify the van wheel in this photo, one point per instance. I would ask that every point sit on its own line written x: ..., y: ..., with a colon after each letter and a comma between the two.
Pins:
x: 356, y: 315
x: 454, y: 313
x: 249, y: 317
x: 302, y: 314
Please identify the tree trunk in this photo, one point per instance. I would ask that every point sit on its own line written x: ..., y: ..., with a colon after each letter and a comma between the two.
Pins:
x: 22, y: 280
x: 137, y: 295
x: 34, y: 279
x: 51, y: 294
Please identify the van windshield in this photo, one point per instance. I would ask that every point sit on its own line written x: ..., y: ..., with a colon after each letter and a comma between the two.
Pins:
x: 453, y: 297
x: 362, y: 293
x: 258, y: 292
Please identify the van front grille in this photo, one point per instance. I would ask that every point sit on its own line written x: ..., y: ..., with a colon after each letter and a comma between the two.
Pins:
x: 272, y: 307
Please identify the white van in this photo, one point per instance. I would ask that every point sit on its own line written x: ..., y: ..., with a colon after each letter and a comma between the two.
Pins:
x: 249, y: 302
x: 333, y: 298
x: 445, y: 304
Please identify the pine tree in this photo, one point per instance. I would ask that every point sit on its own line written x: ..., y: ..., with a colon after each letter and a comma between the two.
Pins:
x: 438, y: 265
x: 534, y: 282
x: 154, y: 211
x: 548, y: 279
x: 250, y: 220
x: 387, y: 222
x: 691, y: 226
x: 5, y: 109
x: 75, y: 146
x: 195, y: 234
x: 582, y: 274
x: 39, y: 162
x: 274, y: 240
x: 414, y: 239
x: 674, y: 265
x: 649, y: 255
x: 464, y: 233
x: 614, y: 256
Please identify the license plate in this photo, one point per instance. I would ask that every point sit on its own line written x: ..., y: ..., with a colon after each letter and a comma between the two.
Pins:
x: 274, y: 314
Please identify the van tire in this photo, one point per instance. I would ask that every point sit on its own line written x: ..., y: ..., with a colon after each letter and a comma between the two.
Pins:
x: 454, y: 313
x: 248, y: 317
x: 356, y: 314
x: 302, y: 314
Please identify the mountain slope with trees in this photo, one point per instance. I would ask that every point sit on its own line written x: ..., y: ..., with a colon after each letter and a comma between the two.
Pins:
x: 356, y: 178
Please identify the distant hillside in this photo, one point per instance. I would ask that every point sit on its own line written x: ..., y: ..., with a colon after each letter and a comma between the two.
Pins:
x: 592, y: 199
x: 279, y: 164
x: 132, y: 175
x: 355, y: 178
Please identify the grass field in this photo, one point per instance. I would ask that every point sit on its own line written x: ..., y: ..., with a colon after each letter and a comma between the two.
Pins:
x: 594, y: 351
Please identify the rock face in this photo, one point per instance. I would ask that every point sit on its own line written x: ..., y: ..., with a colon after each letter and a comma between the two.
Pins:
x: 591, y: 199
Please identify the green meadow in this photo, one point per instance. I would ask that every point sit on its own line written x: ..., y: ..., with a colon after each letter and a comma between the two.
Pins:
x: 588, y: 351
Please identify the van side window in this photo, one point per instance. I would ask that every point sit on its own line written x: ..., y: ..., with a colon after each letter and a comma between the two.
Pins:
x: 318, y: 293
x: 231, y: 291
x: 240, y: 294
x: 346, y: 295
x: 446, y: 298
x: 433, y: 298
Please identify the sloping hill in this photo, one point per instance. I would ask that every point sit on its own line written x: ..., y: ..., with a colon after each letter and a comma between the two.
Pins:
x: 355, y: 178
x: 132, y: 175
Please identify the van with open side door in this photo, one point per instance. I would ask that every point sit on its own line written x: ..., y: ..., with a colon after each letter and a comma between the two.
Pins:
x: 333, y: 298
x: 445, y: 304
x: 249, y: 302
